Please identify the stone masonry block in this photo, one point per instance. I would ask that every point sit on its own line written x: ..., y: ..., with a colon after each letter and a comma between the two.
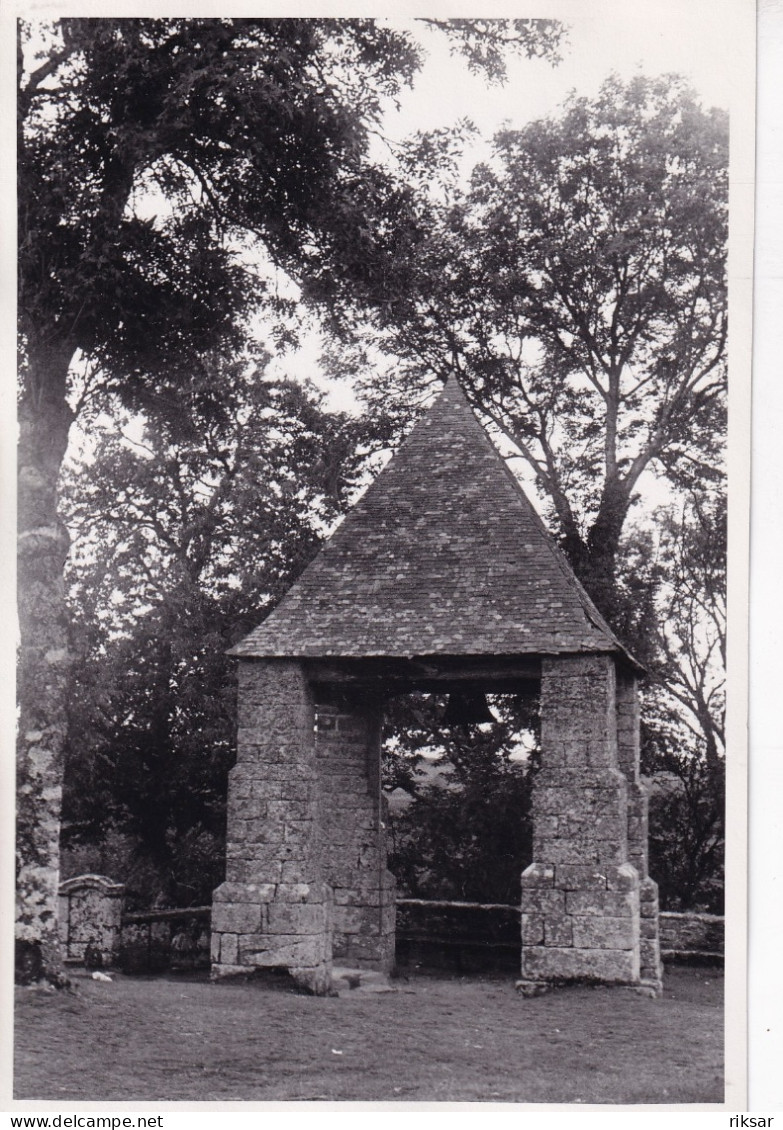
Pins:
x: 302, y: 789
x: 610, y: 779
x: 648, y: 896
x: 548, y: 963
x: 365, y: 920
x: 339, y: 833
x: 316, y: 981
x: 261, y: 790
x: 368, y: 855
x: 272, y: 680
x: 295, y: 871
x: 592, y: 932
x: 243, y: 893
x: 388, y: 918
x: 549, y: 802
x: 277, y: 727
x: 229, y: 950
x: 558, y: 930
x: 361, y: 896
x: 557, y: 852
x: 236, y: 918
x: 639, y: 797
x: 299, y: 831
x: 376, y: 952
x: 295, y: 918
x: 603, y: 904
x: 285, y: 809
x: 650, y: 959
x: 532, y: 930
x: 612, y: 852
x: 601, y: 754
x: 623, y: 877
x: 627, y: 696
x: 575, y: 666
x: 262, y: 831
x: 547, y: 827
x: 635, y: 827
x: 220, y: 971
x: 282, y: 853
x: 294, y: 892
x: 648, y: 927
x: 538, y: 875
x: 585, y: 828
x: 538, y: 900
x: 285, y: 951
x: 246, y: 871
x: 576, y: 877
x: 556, y: 755
x: 241, y: 779
x: 247, y: 809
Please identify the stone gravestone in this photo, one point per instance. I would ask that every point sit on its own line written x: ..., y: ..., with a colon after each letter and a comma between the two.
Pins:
x: 90, y: 916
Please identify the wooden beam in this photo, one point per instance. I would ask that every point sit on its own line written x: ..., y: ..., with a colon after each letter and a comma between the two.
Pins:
x: 488, y: 674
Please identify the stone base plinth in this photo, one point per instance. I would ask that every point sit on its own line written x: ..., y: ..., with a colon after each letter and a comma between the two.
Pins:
x: 651, y: 967
x: 274, y: 926
x: 364, y: 922
x: 580, y: 923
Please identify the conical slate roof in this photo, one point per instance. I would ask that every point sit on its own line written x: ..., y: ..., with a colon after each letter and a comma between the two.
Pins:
x: 443, y: 555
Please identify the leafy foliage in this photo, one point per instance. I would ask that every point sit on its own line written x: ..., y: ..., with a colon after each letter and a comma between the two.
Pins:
x: 182, y: 538
x: 487, y: 44
x: 687, y: 816
x: 466, y: 833
x: 681, y: 623
x: 577, y: 288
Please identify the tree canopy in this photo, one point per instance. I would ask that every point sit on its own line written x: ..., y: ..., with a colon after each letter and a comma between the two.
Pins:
x: 577, y: 287
x: 191, y: 522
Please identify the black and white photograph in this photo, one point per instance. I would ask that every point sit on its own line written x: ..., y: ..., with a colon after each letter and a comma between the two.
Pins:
x: 383, y: 469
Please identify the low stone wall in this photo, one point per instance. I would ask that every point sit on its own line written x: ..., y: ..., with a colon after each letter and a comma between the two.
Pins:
x: 465, y: 937
x: 155, y: 941
x: 472, y: 937
x: 95, y: 931
x: 692, y: 936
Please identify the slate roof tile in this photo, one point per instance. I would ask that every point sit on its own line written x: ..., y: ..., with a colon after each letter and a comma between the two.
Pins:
x: 443, y: 555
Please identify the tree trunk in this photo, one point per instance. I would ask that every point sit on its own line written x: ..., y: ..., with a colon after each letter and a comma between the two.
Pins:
x: 603, y: 541
x: 43, y: 662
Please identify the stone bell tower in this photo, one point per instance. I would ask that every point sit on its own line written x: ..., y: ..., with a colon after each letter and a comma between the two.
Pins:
x: 441, y: 578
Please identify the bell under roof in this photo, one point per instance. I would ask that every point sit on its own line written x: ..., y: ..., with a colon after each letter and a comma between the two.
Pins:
x: 442, y: 555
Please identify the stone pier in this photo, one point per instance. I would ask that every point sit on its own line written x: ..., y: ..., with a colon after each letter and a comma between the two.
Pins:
x: 582, y: 895
x: 348, y: 752
x: 650, y: 968
x: 275, y: 908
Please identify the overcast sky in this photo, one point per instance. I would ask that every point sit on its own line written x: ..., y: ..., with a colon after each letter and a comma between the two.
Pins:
x: 711, y: 43
x: 688, y: 38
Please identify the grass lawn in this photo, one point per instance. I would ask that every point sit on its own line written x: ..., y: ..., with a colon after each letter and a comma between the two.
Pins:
x: 436, y: 1038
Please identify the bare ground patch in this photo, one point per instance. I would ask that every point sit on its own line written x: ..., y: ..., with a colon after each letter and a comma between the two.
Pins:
x: 436, y: 1038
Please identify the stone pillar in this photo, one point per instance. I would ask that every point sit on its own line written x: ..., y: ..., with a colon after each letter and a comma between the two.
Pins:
x: 580, y: 896
x: 354, y: 829
x: 274, y: 909
x: 651, y: 970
